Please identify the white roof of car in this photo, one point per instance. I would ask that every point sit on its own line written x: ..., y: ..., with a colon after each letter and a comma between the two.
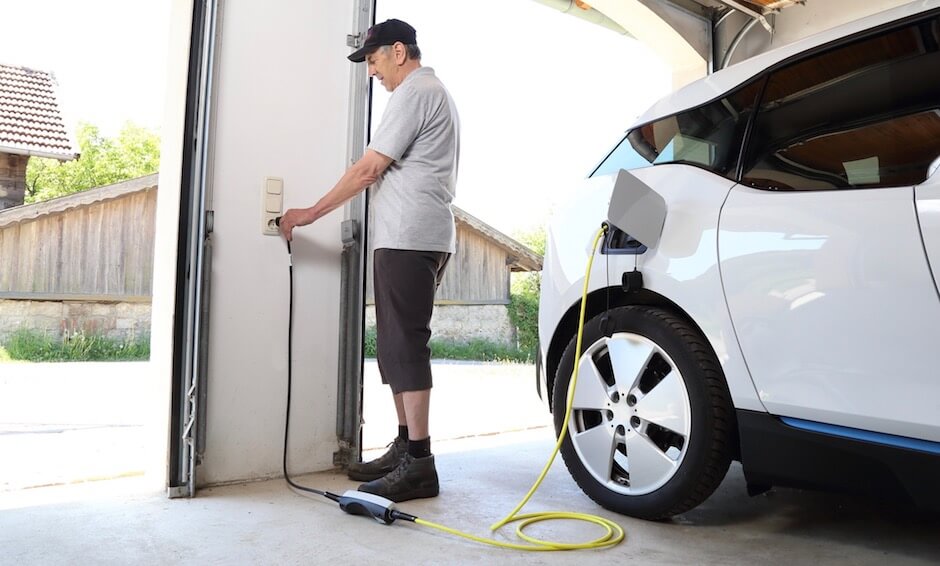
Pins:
x: 720, y: 82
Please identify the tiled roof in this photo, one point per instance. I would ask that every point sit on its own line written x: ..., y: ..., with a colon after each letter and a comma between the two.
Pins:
x: 30, y: 117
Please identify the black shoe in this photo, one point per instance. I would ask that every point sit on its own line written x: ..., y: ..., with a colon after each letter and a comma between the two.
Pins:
x: 414, y: 478
x: 368, y: 471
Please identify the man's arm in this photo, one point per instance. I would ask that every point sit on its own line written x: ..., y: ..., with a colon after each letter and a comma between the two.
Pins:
x: 360, y: 175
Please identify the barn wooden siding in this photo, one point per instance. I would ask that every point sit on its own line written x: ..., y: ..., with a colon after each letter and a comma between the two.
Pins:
x: 98, y: 244
x: 477, y: 274
x: 91, y: 243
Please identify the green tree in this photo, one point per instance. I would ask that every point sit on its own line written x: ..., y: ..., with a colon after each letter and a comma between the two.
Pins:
x: 534, y: 238
x: 103, y: 161
x: 524, y: 296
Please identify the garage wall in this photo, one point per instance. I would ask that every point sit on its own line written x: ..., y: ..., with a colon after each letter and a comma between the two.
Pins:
x: 796, y: 22
x: 282, y: 106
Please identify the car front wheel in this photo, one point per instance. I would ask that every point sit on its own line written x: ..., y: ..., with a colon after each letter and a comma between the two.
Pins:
x: 651, y: 427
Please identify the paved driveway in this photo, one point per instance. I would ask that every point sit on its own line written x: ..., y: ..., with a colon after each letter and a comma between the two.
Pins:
x: 83, y: 421
x: 468, y: 399
x: 61, y: 423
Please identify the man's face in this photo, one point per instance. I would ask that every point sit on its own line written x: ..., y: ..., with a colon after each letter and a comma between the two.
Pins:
x: 384, y: 66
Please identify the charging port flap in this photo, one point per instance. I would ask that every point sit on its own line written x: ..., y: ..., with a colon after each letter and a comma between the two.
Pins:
x: 637, y: 209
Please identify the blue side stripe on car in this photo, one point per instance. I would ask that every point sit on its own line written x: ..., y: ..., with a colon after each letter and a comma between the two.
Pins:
x: 865, y: 435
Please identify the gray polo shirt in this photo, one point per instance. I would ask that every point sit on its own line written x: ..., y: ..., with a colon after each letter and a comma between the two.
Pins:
x: 420, y: 132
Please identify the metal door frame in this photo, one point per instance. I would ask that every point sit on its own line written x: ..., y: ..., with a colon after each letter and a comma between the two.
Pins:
x: 354, y: 259
x: 194, y: 261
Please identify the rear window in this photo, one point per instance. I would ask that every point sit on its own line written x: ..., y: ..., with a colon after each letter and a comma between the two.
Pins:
x: 863, y: 115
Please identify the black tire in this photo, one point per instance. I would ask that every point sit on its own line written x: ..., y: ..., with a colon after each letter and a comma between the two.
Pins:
x: 701, y: 457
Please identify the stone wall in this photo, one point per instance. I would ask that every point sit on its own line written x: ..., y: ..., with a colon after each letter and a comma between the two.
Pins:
x: 12, y: 179
x: 463, y: 323
x: 123, y: 321
x: 127, y: 321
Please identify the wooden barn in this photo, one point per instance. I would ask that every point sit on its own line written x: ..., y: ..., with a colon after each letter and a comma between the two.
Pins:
x: 83, y: 262
x: 473, y: 297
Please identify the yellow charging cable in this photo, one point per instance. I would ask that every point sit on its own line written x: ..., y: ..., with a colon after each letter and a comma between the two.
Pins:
x: 614, y: 533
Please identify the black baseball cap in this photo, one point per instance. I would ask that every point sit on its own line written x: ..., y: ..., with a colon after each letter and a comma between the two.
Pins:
x: 388, y: 32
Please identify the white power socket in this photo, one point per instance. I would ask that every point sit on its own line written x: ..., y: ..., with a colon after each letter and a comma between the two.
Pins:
x: 272, y: 202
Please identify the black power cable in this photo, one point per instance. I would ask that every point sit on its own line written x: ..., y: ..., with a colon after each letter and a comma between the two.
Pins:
x: 290, y: 358
x: 355, y: 503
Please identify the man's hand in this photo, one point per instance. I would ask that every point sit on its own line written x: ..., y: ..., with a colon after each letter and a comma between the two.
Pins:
x: 360, y: 175
x: 292, y: 218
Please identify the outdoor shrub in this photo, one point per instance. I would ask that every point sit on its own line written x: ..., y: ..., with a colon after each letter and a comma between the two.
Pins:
x: 524, y: 311
x: 368, y: 346
x: 524, y: 296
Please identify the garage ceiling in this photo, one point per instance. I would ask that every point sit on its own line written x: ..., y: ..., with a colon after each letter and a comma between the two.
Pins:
x: 682, y: 32
x: 717, y: 8
x: 714, y: 12
x: 774, y: 4
x: 711, y: 10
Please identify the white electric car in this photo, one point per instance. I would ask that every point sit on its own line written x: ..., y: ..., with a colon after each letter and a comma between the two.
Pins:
x: 789, y: 314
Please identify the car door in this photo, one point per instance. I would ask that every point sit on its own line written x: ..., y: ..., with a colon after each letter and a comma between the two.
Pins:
x: 824, y: 268
x: 927, y: 199
x: 834, y: 307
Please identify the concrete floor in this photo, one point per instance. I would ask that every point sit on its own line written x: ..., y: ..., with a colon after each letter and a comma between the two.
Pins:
x: 486, y: 465
x: 481, y: 479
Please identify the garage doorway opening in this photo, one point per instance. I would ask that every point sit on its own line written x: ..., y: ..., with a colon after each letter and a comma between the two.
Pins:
x: 536, y: 116
x: 78, y: 239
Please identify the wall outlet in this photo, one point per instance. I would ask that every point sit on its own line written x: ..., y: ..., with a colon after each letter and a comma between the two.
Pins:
x: 272, y: 202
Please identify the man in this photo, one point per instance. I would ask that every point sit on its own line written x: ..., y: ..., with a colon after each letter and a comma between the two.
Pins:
x: 412, y: 160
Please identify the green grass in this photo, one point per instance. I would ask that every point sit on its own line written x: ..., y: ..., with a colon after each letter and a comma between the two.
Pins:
x: 475, y: 350
x: 478, y: 350
x: 34, y: 346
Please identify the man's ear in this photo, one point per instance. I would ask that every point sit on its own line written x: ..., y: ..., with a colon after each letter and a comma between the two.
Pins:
x: 401, y: 52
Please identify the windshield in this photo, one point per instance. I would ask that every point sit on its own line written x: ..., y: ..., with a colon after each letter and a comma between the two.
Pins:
x: 622, y: 157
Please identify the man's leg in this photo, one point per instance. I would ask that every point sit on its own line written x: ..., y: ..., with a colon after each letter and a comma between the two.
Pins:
x: 402, y: 348
x: 385, y: 307
x: 400, y: 409
x: 375, y: 469
x: 416, y: 406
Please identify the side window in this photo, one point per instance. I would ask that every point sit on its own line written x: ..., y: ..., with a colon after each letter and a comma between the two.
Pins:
x: 860, y: 116
x: 708, y: 136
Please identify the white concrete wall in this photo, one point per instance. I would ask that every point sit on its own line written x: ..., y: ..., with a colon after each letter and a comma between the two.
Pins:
x: 799, y: 21
x: 282, y: 111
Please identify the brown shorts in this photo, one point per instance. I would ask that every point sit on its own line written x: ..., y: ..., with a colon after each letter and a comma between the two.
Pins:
x: 404, y: 283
